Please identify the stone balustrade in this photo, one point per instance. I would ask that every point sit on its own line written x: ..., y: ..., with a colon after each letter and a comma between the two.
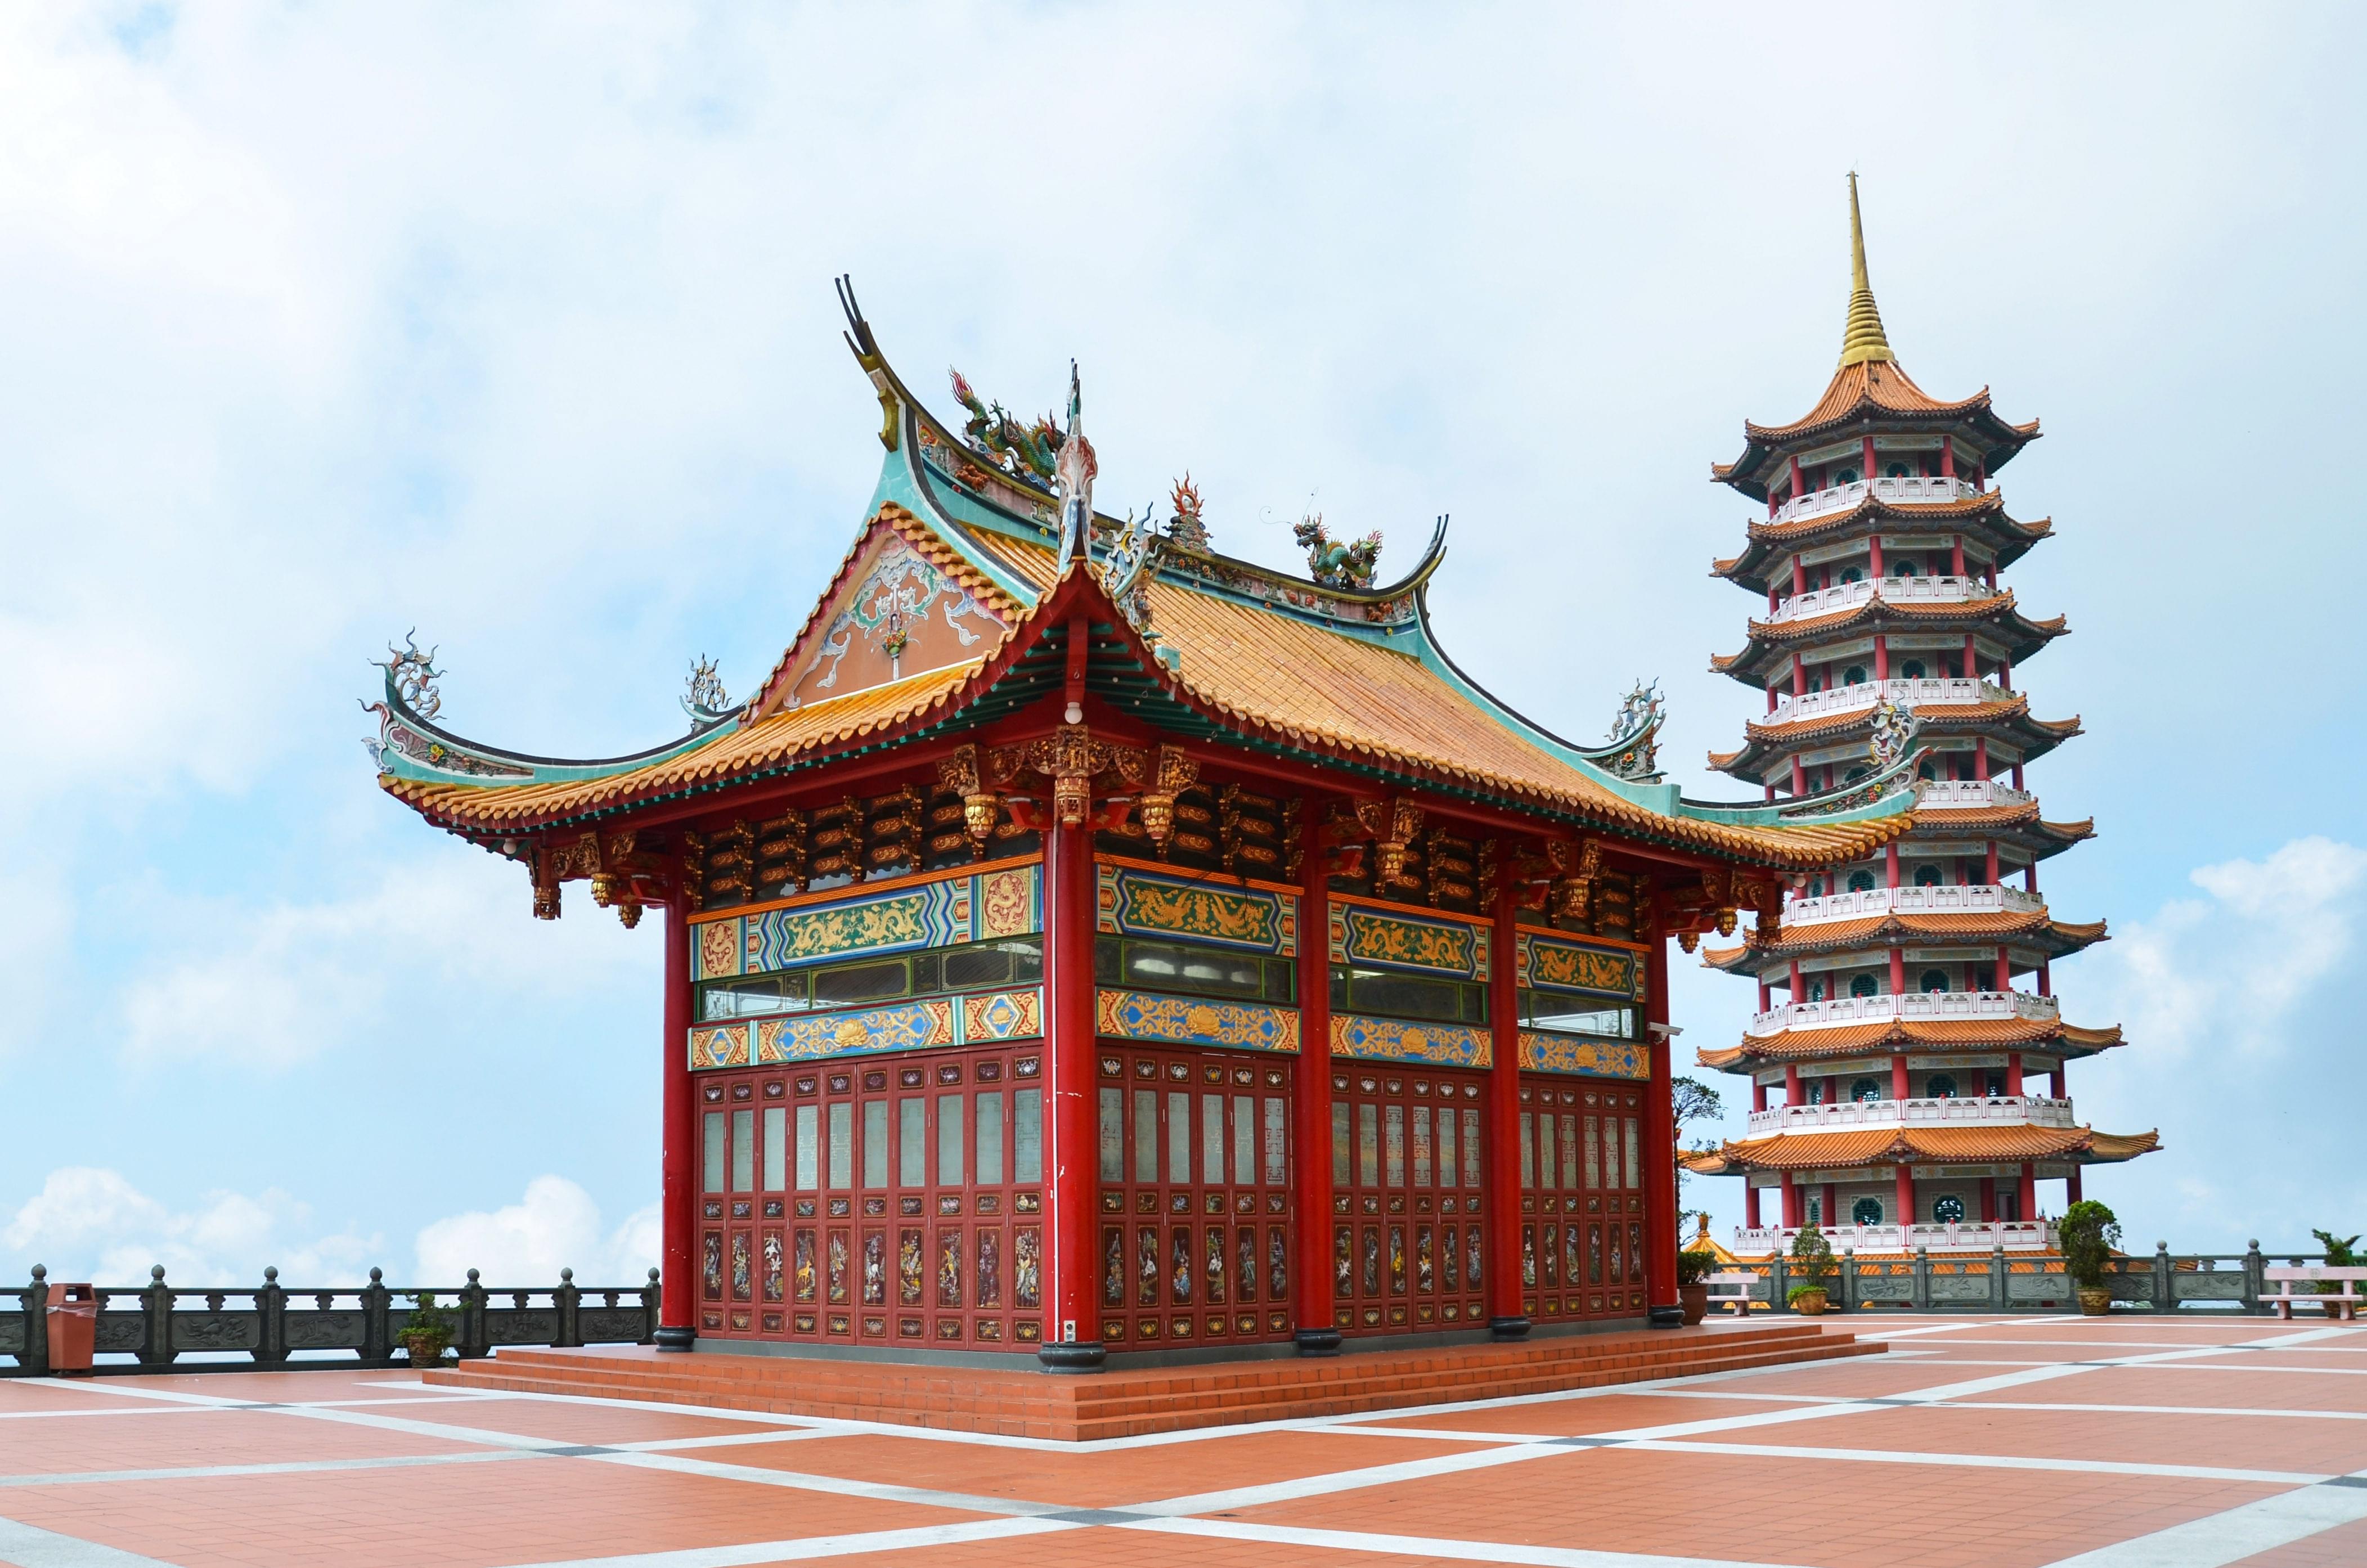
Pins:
x: 1962, y: 794
x: 1957, y: 898
x: 2012, y: 1110
x: 1915, y: 492
x: 1923, y: 691
x: 1894, y: 589
x: 1919, y: 1006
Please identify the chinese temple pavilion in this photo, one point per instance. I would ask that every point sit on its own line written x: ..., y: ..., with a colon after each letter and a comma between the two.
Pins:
x: 1082, y: 943
x: 1903, y: 1049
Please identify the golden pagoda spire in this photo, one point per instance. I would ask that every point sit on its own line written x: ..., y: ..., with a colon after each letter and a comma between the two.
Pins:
x: 1861, y: 338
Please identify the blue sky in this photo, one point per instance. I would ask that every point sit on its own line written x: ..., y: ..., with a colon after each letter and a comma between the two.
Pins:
x: 516, y: 326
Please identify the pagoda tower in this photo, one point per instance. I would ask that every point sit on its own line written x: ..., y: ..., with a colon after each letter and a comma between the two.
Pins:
x: 1906, y: 1001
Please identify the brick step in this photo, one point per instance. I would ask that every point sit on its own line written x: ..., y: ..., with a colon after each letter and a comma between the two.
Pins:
x: 1033, y: 1403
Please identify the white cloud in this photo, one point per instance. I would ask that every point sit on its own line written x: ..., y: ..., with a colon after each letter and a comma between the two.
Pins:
x: 556, y: 1226
x: 90, y: 1222
x: 2234, y: 966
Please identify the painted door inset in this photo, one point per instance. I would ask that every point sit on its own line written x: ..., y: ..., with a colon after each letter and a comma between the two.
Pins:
x: 1409, y: 1232
x: 1582, y: 1199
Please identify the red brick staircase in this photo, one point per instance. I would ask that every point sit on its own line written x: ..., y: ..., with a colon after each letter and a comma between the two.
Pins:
x: 1130, y: 1403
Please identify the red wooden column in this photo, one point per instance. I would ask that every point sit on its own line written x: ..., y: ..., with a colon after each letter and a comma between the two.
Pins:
x: 1906, y: 1195
x: 1749, y: 1204
x: 1073, y: 1335
x: 1791, y: 1202
x: 1316, y: 1334
x: 1659, y: 1148
x: 2029, y: 1192
x: 677, y: 1142
x: 1506, y: 1317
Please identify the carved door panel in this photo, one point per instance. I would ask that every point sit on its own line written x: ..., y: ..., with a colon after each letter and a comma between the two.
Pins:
x: 1583, y: 1197
x: 1194, y: 1167
x: 1408, y: 1239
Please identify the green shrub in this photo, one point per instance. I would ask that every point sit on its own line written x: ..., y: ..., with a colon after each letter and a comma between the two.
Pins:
x: 1792, y: 1297
x: 2088, y: 1233
x: 2339, y: 1254
x: 429, y: 1330
x: 1812, y: 1257
x: 1693, y: 1266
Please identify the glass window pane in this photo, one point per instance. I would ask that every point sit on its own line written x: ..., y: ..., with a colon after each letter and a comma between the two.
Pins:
x: 1027, y: 1134
x: 1421, y: 1146
x: 1471, y: 1162
x: 712, y: 1148
x: 1340, y: 1142
x: 950, y: 1171
x: 1179, y: 1136
x: 1244, y: 1140
x: 776, y: 1148
x: 1368, y: 1145
x: 1393, y: 1144
x: 1446, y: 1168
x: 989, y: 1138
x: 1569, y: 1152
x: 743, y: 1150
x: 842, y: 1144
x: 875, y: 1142
x: 809, y: 1147
x: 1113, y: 1134
x: 912, y: 1142
x: 1635, y: 1165
x: 1277, y: 1142
x: 1146, y: 1135
x: 860, y: 983
x: 1212, y: 1139
x: 1549, y: 1173
x: 1593, y: 1159
x: 1528, y: 1153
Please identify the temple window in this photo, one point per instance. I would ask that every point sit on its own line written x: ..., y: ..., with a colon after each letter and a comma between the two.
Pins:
x: 1941, y: 1087
x: 1855, y: 774
x: 1815, y: 1092
x: 1948, y: 1210
x: 1394, y: 995
x: 1844, y: 475
x: 1902, y: 568
x: 1851, y: 574
x: 1855, y: 675
x: 1861, y: 882
x: 1863, y: 985
x: 1864, y: 1089
x: 1993, y: 1085
x: 1927, y: 771
x: 1866, y: 1212
x: 1185, y: 966
x: 1018, y: 961
x: 1911, y: 671
x: 1816, y: 991
x: 1932, y: 980
x: 1898, y: 471
x: 1816, y: 1208
x: 1815, y: 888
x: 1572, y: 1013
x: 1927, y: 877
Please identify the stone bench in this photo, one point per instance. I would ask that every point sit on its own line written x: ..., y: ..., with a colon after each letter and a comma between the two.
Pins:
x: 1739, y: 1282
x: 2347, y: 1298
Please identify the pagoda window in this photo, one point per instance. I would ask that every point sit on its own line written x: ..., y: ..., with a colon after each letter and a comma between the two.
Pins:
x: 1843, y: 476
x: 1854, y: 676
x: 1816, y: 1208
x: 1898, y: 471
x: 1911, y: 671
x: 1942, y: 1086
x: 1902, y: 568
x: 1851, y: 574
x: 1866, y: 1212
x: 1816, y: 991
x: 1817, y: 1091
x: 1932, y: 980
x: 1394, y: 995
x: 1927, y: 771
x: 1815, y: 888
x: 1861, y: 882
x: 1993, y: 1084
x: 1864, y: 1089
x: 1927, y: 877
x: 1948, y: 1210
x: 1863, y: 985
x: 1571, y: 1012
x: 1014, y: 961
x: 1189, y: 967
x: 1855, y: 774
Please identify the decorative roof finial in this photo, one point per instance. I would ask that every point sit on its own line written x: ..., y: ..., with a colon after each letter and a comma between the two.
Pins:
x: 1074, y: 468
x: 1862, y: 337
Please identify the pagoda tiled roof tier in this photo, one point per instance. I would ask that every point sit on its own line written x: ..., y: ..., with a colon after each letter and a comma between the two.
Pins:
x: 1982, y: 517
x: 1921, y: 1145
x: 1227, y: 650
x: 1968, y: 1035
x: 1874, y: 394
x: 1768, y: 654
x: 1769, y: 745
x: 2030, y: 929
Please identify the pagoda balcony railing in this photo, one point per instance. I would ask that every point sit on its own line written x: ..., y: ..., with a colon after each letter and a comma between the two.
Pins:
x: 2011, y: 1109
x: 1896, y: 590
x: 1956, y: 795
x: 1923, y: 691
x: 2014, y: 1235
x: 1961, y: 898
x: 1915, y: 1007
x: 1841, y: 498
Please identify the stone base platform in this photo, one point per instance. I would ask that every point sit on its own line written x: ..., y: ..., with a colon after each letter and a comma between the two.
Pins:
x: 1132, y: 1403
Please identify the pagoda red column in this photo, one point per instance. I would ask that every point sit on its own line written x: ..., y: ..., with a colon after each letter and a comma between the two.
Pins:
x: 1790, y: 1083
x: 1073, y: 1335
x: 1791, y: 1202
x: 1906, y: 1197
x: 1758, y: 1095
x: 1506, y: 1318
x: 1318, y: 1334
x: 1956, y: 556
x: 1749, y: 1204
x: 677, y: 1142
x: 1661, y: 1145
x: 2071, y: 1185
x: 1897, y: 971
x: 1989, y: 1200
x: 1881, y: 657
x: 1899, y: 1077
x: 2029, y: 1192
x: 2013, y: 1073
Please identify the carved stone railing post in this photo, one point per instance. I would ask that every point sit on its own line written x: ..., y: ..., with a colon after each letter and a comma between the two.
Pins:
x: 472, y: 1319
x: 1922, y: 1279
x: 1778, y: 1288
x: 36, y: 1304
x: 1848, y: 1293
x: 649, y: 1309
x: 2253, y: 1263
x: 378, y: 1340
x: 157, y: 1326
x: 2001, y: 1280
x: 569, y: 1301
x: 271, y: 1306
x: 2163, y: 1300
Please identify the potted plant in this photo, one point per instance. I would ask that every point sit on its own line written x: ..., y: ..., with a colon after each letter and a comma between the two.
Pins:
x: 1812, y: 1264
x: 2339, y: 1254
x: 1693, y: 1269
x: 428, y: 1330
x: 2088, y: 1233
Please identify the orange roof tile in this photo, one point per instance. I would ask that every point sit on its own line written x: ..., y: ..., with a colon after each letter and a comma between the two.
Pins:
x: 1856, y: 1039
x: 1878, y: 385
x: 1947, y: 1145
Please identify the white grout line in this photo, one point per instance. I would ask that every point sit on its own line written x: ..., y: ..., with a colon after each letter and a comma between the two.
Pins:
x: 796, y: 1550
x: 29, y: 1546
x: 276, y: 1467
x: 2232, y: 1534
x: 1426, y: 1546
x: 1993, y: 1461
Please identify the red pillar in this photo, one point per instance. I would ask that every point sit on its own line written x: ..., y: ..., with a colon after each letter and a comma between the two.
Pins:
x: 1956, y: 556
x: 1981, y: 757
x: 1881, y: 657
x: 2030, y: 873
x: 2005, y: 674
x: 1992, y: 866
x: 1798, y: 996
x: 1797, y: 490
x: 1873, y: 554
x: 1868, y: 464
x: 1799, y: 576
x: 1800, y: 778
x: 1506, y: 1320
x: 1906, y: 1195
x: 1791, y: 1202
x: 2029, y: 1191
x: 1659, y: 1144
x: 2013, y: 1073
x: 2055, y: 1083
x: 1832, y: 1205
x: 1972, y: 659
x: 1072, y: 1336
x: 2071, y: 1186
x: 1890, y: 863
x: 1749, y: 1204
x: 1947, y: 457
x: 1790, y: 1083
x: 1318, y: 1334
x: 1758, y: 1095
x: 2004, y: 971
x: 1897, y: 971
x: 2017, y: 775
x: 1989, y: 1200
x: 1899, y: 1076
x: 1799, y: 677
x: 677, y: 1143
x: 2045, y: 983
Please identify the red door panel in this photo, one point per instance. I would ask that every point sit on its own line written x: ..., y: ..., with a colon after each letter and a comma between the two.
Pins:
x: 1581, y: 1200
x: 1407, y: 1203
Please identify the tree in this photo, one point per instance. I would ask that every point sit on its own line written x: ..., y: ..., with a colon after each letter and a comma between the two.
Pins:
x: 1690, y: 1100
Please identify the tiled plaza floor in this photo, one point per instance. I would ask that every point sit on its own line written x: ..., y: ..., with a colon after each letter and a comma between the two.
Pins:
x: 2038, y: 1441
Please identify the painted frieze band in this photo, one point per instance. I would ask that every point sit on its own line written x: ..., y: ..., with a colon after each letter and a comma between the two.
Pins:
x: 1427, y: 944
x: 942, y: 912
x: 1135, y: 900
x: 1603, y: 969
x: 984, y: 1019
x: 1195, y: 1020
x: 1595, y: 1058
x: 1398, y: 1040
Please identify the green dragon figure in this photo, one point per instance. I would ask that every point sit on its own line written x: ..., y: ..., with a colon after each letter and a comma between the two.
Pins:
x: 1337, y: 564
x: 1029, y: 451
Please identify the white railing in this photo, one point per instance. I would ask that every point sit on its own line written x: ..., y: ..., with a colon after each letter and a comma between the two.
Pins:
x: 1947, y: 794
x: 2014, y: 1235
x: 1896, y: 590
x: 1841, y: 498
x: 1915, y: 1007
x: 1922, y: 693
x: 2014, y: 1110
x: 1959, y: 898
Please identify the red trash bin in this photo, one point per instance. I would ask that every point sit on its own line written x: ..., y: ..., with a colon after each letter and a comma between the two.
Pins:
x: 74, y: 1329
